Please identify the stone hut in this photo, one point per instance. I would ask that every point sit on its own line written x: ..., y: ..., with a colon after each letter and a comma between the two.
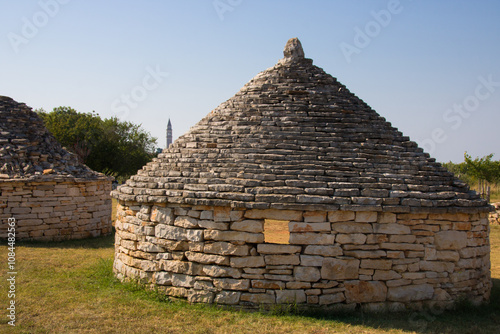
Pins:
x: 367, y: 217
x: 43, y: 187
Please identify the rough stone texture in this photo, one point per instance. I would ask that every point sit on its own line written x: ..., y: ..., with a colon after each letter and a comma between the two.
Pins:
x: 494, y: 217
x: 28, y: 151
x: 43, y: 187
x: 295, y: 138
x: 371, y: 218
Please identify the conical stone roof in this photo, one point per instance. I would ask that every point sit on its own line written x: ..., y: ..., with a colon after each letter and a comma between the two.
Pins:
x: 296, y: 138
x: 29, y: 151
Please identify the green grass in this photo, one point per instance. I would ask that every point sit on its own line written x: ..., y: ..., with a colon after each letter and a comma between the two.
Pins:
x: 68, y: 287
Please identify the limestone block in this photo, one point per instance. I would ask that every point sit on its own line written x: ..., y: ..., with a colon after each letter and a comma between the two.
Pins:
x: 391, y: 228
x: 180, y: 211
x: 290, y: 297
x: 410, y: 293
x: 196, y: 246
x: 473, y: 263
x: 468, y: 252
x: 276, y: 214
x: 162, y: 278
x: 403, y: 238
x: 365, y: 291
x: 285, y: 278
x: 207, y: 215
x: 353, y: 238
x: 172, y: 245
x: 340, y: 269
x: 340, y: 216
x: 218, y: 271
x: 308, y: 227
x: 211, y: 225
x: 365, y: 254
x: 278, y: 249
x: 349, y: 227
x: 207, y: 258
x: 402, y: 246
x: 186, y: 222
x: 313, y: 292
x: 314, y: 216
x: 258, y: 298
x: 323, y: 250
x: 453, y: 240
x: 176, y: 291
x: 306, y: 274
x: 181, y: 280
x: 247, y: 262
x: 386, y: 275
x: 222, y: 214
x: 149, y: 247
x: 177, y: 233
x: 331, y: 298
x: 298, y: 285
x: 231, y: 284
x: 462, y: 226
x: 228, y: 297
x: 312, y: 239
x: 276, y: 260
x: 200, y: 296
x: 456, y: 217
x: 386, y: 218
x: 226, y: 248
x: 162, y: 215
x: 311, y: 260
x: 376, y: 264
x: 366, y: 217
x: 236, y: 215
x: 234, y: 236
x: 449, y: 256
x: 180, y: 267
x: 460, y: 276
x: 441, y: 295
x: 248, y: 225
x: 268, y: 284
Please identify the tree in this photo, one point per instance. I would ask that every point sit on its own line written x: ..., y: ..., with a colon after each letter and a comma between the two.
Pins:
x: 110, y: 146
x: 485, y: 171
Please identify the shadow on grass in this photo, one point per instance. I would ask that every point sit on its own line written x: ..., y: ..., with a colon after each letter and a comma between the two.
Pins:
x: 90, y: 243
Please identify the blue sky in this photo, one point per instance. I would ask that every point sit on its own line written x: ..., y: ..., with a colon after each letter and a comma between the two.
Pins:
x: 431, y: 68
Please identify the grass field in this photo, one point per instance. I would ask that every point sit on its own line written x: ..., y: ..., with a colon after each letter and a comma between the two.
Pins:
x: 68, y: 287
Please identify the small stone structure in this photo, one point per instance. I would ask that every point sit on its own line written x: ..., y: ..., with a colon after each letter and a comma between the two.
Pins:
x: 370, y: 218
x: 495, y: 215
x: 43, y: 187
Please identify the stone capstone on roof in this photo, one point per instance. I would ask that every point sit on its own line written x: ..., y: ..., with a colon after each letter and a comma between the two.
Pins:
x: 296, y: 138
x: 27, y: 149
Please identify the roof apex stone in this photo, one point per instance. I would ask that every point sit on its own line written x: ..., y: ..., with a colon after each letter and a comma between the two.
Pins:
x: 293, y: 49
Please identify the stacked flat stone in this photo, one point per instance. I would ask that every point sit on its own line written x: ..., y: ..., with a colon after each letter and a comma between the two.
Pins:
x: 45, y: 188
x: 27, y: 148
x: 495, y: 215
x: 372, y: 218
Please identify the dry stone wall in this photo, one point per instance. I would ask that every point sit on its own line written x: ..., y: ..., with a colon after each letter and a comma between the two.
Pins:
x: 52, y: 209
x: 381, y: 260
x: 495, y: 214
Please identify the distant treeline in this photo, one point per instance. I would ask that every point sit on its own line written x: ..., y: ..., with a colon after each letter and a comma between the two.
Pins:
x: 479, y: 173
